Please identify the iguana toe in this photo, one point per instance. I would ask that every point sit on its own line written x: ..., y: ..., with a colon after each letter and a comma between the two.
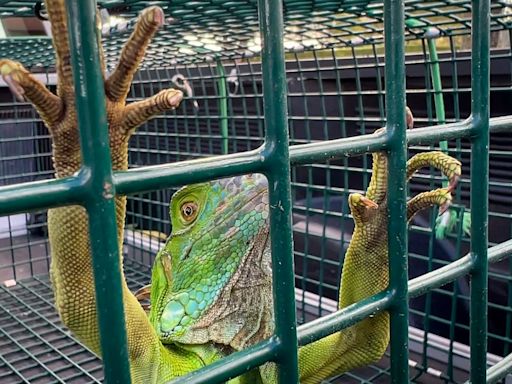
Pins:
x: 357, y: 200
x: 154, y: 14
x: 10, y: 72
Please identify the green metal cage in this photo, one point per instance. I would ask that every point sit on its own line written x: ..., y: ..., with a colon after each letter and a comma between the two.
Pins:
x: 291, y: 89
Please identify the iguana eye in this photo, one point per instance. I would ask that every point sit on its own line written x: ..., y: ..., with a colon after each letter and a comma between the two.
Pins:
x: 189, y: 211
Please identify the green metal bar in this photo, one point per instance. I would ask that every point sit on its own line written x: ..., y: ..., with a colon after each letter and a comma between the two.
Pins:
x: 223, y: 105
x: 448, y: 273
x: 326, y: 325
x: 434, y: 134
x: 41, y: 194
x: 192, y: 171
x: 440, y: 276
x: 435, y: 73
x: 99, y: 201
x: 480, y: 78
x: 234, y: 364
x: 188, y: 172
x: 322, y: 327
x: 344, y: 318
x: 333, y: 149
x: 270, y: 13
x: 397, y: 156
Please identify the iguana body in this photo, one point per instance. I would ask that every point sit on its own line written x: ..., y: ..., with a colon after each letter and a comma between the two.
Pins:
x: 211, y: 283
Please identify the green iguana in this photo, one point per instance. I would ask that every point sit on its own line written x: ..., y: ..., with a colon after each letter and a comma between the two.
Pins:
x: 211, y: 284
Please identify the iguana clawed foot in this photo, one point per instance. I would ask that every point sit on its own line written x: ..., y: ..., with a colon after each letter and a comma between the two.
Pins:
x: 71, y: 268
x: 58, y: 111
x: 10, y: 71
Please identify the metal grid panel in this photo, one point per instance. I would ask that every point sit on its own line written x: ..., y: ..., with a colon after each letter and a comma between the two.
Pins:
x: 327, y: 99
x: 206, y: 30
x: 459, y: 144
x: 36, y: 347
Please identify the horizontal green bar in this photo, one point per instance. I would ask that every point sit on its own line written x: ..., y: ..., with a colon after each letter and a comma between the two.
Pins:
x: 192, y: 171
x: 499, y: 370
x: 434, y: 134
x: 52, y: 193
x: 234, y: 364
x: 334, y: 149
x: 36, y: 195
x: 350, y: 315
x: 151, y: 178
x: 442, y: 132
x: 327, y: 325
x: 439, y: 277
x: 450, y: 272
x: 500, y: 251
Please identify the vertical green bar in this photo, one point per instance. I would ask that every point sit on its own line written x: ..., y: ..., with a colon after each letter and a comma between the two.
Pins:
x: 92, y: 121
x: 435, y: 73
x: 223, y: 106
x: 479, y: 186
x: 397, y: 227
x: 278, y: 173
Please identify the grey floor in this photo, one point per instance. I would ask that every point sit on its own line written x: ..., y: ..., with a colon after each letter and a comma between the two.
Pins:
x: 23, y: 256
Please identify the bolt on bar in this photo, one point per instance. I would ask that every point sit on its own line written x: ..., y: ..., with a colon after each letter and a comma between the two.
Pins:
x: 480, y: 78
x: 397, y: 157
x: 270, y: 13
x: 99, y: 197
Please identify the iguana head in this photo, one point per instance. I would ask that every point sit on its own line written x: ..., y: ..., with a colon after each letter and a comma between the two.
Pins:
x: 214, y: 269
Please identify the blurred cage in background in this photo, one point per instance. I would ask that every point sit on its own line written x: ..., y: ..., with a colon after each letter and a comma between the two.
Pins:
x: 335, y: 76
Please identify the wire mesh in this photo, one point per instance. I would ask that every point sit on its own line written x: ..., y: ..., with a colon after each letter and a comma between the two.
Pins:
x: 206, y: 30
x: 335, y: 89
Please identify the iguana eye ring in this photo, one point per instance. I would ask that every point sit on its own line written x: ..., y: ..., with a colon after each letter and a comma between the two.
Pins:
x: 189, y: 211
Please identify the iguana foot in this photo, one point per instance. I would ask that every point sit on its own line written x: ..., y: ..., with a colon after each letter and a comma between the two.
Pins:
x: 441, y: 197
x: 58, y: 111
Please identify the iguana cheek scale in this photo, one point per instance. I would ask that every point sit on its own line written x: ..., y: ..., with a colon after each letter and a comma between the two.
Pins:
x: 211, y: 283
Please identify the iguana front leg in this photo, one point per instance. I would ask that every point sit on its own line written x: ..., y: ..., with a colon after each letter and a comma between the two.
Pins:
x: 365, y: 270
x: 71, y: 270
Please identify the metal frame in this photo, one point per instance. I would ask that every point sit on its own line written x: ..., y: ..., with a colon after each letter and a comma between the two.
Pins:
x: 94, y: 186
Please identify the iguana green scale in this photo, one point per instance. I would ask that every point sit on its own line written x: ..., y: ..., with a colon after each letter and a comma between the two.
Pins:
x: 211, y: 284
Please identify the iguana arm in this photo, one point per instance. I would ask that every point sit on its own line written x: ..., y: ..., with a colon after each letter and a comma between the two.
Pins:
x: 365, y: 270
x: 71, y: 271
